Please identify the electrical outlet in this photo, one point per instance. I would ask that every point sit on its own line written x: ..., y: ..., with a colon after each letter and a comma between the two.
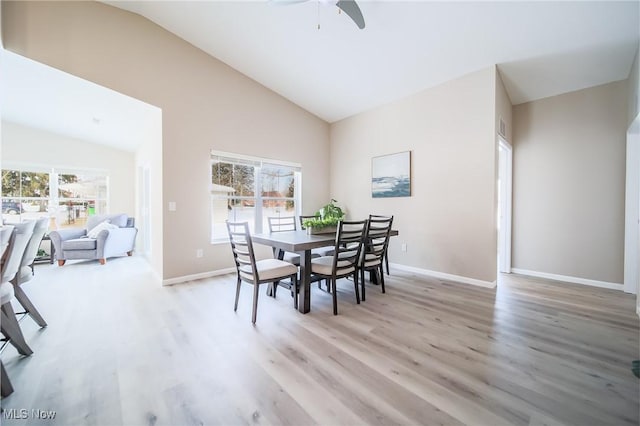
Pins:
x: 199, y: 253
x: 403, y: 247
x: 172, y: 206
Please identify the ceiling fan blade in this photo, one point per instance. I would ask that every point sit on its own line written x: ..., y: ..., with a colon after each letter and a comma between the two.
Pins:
x: 351, y: 8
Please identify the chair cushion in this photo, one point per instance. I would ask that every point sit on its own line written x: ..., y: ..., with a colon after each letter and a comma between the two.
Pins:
x: 323, y: 251
x: 270, y: 269
x: 324, y: 266
x: 79, y: 244
x: 370, y: 260
x: 291, y: 258
x: 6, y: 292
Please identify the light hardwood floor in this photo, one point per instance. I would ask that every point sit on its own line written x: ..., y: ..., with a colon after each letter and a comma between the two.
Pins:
x: 121, y: 350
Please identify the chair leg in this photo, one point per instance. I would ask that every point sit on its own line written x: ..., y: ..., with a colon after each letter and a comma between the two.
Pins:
x: 254, y: 313
x: 28, y: 306
x: 335, y: 296
x: 5, y: 383
x: 386, y: 261
x: 381, y: 277
x: 294, y: 282
x: 11, y: 329
x: 355, y: 285
x: 235, y: 307
x: 362, y: 283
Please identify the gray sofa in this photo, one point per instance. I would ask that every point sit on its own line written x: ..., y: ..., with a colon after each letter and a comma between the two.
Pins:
x: 73, y: 243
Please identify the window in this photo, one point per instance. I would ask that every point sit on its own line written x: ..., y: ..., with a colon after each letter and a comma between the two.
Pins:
x: 68, y: 197
x: 251, y: 189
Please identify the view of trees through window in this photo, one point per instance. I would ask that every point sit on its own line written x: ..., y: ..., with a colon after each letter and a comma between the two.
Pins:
x: 67, y: 198
x: 250, y: 190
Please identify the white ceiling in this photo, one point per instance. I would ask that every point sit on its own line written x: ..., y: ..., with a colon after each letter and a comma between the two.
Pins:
x: 39, y: 96
x: 542, y: 48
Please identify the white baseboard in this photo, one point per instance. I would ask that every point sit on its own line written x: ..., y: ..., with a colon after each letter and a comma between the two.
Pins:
x: 209, y: 274
x: 445, y: 276
x: 569, y: 279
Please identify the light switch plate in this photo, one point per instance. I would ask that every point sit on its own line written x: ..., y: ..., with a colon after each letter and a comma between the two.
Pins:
x: 172, y: 206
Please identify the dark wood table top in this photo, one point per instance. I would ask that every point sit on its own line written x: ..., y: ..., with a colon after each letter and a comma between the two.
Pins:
x: 294, y: 240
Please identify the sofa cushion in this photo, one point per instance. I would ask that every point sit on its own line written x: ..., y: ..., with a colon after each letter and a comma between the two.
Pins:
x: 79, y: 244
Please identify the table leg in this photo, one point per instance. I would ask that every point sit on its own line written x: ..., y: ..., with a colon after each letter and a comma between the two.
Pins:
x: 304, y: 301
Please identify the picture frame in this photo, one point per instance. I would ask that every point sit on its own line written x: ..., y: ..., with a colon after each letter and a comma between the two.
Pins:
x: 391, y: 175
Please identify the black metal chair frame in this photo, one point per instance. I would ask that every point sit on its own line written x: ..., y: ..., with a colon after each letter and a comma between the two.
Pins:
x: 247, y: 267
x: 376, y: 241
x: 386, y: 249
x: 348, y: 246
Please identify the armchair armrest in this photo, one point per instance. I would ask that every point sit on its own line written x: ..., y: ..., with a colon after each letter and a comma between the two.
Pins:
x: 57, y: 237
x: 117, y: 241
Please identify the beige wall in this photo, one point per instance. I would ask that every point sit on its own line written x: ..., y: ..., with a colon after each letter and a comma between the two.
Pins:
x: 448, y: 223
x: 205, y: 105
x: 569, y: 174
x: 633, y: 90
x: 26, y: 145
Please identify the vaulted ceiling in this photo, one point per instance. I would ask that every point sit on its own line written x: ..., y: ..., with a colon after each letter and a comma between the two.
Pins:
x: 541, y: 48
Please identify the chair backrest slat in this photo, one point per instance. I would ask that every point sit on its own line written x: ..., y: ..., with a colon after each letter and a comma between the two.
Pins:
x: 303, y: 218
x: 349, y: 238
x: 377, y: 236
x: 282, y: 223
x: 242, y: 248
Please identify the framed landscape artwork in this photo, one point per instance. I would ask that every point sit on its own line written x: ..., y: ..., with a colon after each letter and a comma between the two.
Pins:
x: 391, y: 175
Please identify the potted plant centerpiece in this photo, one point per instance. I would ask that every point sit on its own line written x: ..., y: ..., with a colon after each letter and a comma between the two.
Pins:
x: 326, y: 219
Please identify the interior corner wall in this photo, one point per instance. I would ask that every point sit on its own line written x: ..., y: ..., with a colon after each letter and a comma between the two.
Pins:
x: 448, y: 223
x: 26, y: 145
x: 149, y: 157
x: 504, y: 109
x: 205, y: 105
x: 633, y: 90
x: 569, y: 184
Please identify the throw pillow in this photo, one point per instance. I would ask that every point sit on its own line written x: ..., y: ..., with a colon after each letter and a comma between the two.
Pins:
x: 93, y: 233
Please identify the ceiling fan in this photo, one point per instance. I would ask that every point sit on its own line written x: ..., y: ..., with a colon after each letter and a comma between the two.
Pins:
x: 350, y: 7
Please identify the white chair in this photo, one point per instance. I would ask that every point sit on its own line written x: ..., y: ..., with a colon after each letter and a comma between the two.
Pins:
x: 344, y: 262
x: 11, y: 258
x: 26, y: 273
x: 257, y: 272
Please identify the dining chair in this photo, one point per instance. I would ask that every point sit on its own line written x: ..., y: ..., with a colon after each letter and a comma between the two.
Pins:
x: 26, y: 272
x: 344, y: 262
x: 376, y: 240
x: 283, y: 224
x: 257, y: 272
x: 18, y: 237
x: 386, y: 249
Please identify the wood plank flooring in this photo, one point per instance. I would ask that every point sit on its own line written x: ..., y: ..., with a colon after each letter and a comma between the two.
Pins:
x: 121, y: 350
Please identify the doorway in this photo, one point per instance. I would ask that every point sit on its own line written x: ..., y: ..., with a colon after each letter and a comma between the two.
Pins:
x: 632, y: 211
x: 505, y: 163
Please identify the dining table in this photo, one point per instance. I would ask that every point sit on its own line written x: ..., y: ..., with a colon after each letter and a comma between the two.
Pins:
x: 299, y: 241
x: 302, y: 243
